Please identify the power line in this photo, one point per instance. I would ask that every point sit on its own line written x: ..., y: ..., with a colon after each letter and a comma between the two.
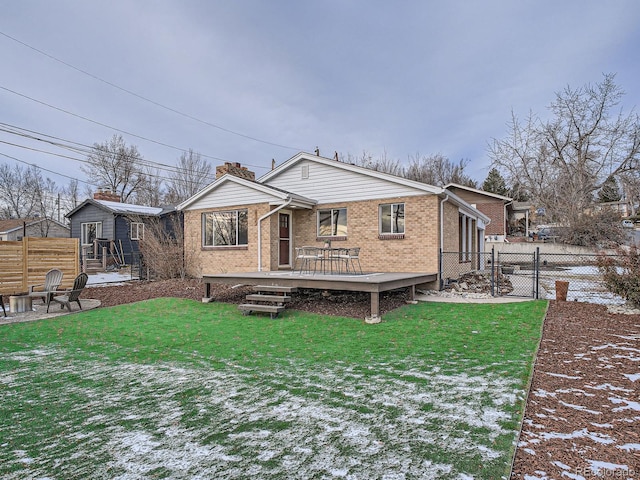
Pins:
x: 47, y: 170
x: 141, y: 97
x: 87, y: 119
x: 85, y: 150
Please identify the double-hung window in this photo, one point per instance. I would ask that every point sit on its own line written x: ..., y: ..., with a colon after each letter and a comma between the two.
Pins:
x: 332, y: 222
x: 91, y: 231
x: 137, y: 231
x: 225, y: 229
x: 392, y: 219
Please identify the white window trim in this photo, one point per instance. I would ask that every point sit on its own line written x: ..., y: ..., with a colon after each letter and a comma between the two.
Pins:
x: 139, y: 228
x: 331, y: 215
x: 392, y: 223
x: 83, y: 231
x: 211, y: 215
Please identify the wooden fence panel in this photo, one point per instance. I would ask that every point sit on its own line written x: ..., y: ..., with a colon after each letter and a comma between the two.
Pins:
x: 26, y: 262
x: 11, y: 267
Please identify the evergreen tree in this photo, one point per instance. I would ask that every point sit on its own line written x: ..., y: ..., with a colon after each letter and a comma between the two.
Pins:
x: 609, y: 191
x: 494, y: 183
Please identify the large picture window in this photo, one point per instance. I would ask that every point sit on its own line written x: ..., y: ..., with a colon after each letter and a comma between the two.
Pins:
x: 392, y: 218
x: 91, y: 231
x: 332, y: 222
x: 225, y: 229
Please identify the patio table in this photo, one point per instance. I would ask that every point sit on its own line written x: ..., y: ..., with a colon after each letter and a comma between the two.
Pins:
x: 331, y: 255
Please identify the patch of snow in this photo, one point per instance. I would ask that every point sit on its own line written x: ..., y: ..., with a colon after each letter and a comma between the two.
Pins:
x: 602, y: 425
x: 561, y: 465
x: 629, y: 405
x: 579, y: 407
x: 597, y: 466
x: 110, y: 278
x: 559, y: 375
x: 629, y: 446
x: 537, y: 472
x: 632, y: 376
x: 608, y: 386
x: 583, y: 433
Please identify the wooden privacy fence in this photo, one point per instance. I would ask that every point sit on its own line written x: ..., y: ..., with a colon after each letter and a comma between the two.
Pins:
x: 27, y: 261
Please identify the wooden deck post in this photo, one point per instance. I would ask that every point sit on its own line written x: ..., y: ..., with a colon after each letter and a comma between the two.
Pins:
x: 375, y: 308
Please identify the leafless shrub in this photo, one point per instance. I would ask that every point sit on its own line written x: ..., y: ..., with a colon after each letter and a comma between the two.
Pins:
x: 162, y: 247
x: 622, y: 273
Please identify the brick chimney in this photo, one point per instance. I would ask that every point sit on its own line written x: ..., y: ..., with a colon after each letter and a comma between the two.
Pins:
x: 107, y: 195
x: 235, y: 169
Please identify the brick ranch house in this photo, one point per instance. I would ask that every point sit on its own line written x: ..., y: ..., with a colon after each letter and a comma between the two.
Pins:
x: 239, y: 224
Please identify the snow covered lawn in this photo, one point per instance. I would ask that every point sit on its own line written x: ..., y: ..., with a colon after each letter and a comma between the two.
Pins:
x: 131, y: 421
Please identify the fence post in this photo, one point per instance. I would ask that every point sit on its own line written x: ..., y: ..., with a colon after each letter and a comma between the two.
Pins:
x: 537, y: 274
x: 493, y: 269
x: 25, y: 263
x: 440, y: 268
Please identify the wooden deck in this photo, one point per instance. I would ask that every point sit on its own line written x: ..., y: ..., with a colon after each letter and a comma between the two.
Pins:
x: 373, y: 283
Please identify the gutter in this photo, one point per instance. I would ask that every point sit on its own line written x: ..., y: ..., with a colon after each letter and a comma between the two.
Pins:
x: 266, y: 215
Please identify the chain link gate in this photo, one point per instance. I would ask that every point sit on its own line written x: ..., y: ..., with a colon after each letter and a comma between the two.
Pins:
x: 494, y: 273
x: 517, y: 274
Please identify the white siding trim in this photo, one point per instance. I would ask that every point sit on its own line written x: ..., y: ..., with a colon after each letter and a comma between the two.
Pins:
x: 231, y: 193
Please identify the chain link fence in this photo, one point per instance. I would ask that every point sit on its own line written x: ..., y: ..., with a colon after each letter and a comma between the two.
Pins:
x: 529, y: 275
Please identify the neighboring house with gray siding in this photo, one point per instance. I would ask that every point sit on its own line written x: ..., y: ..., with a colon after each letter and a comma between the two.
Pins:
x: 17, y: 228
x: 119, y: 227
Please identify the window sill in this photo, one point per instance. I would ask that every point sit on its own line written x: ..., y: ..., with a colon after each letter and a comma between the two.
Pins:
x: 391, y: 236
x: 331, y: 239
x: 225, y: 248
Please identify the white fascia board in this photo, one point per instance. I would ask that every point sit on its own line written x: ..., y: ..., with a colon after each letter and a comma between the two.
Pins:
x: 480, y: 192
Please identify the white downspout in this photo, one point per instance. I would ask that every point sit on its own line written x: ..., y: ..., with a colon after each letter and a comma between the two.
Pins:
x: 440, y: 256
x: 446, y: 199
x: 268, y: 214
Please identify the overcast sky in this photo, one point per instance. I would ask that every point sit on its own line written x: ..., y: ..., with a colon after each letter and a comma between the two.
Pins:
x: 250, y: 81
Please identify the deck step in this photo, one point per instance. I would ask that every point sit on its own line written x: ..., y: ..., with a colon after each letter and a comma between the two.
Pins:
x: 274, y: 289
x: 274, y: 310
x: 257, y: 297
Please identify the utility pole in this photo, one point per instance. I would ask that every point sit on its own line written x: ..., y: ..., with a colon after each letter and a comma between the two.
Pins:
x: 58, y: 205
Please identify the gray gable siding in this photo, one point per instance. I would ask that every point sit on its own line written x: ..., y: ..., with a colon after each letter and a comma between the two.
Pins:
x: 91, y: 213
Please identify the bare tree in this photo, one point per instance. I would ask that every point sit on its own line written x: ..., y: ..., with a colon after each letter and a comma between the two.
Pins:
x: 438, y: 170
x: 564, y: 161
x: 162, y: 246
x: 630, y: 183
x: 192, y: 174
x: 117, y: 167
x: 25, y: 193
x: 150, y: 191
x: 17, y: 187
x: 381, y: 164
x: 70, y: 196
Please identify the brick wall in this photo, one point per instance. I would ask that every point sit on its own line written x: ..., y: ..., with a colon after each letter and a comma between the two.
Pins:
x: 202, y: 260
x: 106, y: 195
x: 491, y: 207
x: 236, y: 170
x: 416, y: 252
x: 495, y: 211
